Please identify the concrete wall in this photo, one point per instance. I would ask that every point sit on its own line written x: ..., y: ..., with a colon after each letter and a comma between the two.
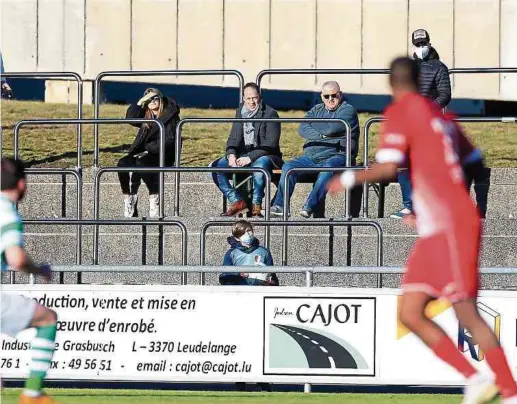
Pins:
x: 89, y: 36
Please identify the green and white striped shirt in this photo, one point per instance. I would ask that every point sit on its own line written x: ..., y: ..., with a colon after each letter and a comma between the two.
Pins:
x: 11, y: 228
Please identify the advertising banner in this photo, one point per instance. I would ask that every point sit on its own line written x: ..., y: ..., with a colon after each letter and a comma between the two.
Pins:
x: 405, y: 359
x: 247, y: 334
x: 325, y: 336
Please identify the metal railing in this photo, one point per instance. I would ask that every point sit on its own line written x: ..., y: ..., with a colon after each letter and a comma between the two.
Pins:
x: 293, y: 223
x: 79, y: 201
x: 230, y: 170
x: 255, y: 269
x: 125, y: 73
x: 179, y: 128
x: 308, y: 271
x: 64, y: 172
x: 100, y: 172
x: 318, y: 170
x: 106, y: 121
x: 80, y: 122
x: 271, y: 72
x: 474, y: 70
x: 95, y: 257
x: 367, y: 126
x: 457, y: 70
x: 60, y: 75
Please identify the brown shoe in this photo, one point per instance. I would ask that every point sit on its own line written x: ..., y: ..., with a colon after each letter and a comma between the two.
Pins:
x: 235, y: 209
x: 256, y: 210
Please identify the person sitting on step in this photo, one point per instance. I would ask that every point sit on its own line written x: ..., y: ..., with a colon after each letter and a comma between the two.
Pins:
x: 145, y: 150
x: 325, y: 147
x: 250, y: 145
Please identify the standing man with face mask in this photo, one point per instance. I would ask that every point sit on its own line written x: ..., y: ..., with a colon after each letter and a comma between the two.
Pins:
x: 434, y: 83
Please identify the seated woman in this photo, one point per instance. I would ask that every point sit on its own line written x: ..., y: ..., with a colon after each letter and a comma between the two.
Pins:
x: 145, y: 150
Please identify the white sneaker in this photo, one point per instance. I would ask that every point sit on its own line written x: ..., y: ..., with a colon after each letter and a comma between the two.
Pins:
x: 130, y: 209
x: 154, y: 206
x: 480, y: 389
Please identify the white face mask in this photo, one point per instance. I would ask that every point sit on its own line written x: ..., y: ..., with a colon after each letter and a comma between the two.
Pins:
x: 421, y: 52
x: 246, y: 238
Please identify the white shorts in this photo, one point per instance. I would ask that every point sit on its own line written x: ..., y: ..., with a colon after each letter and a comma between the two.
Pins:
x: 17, y: 313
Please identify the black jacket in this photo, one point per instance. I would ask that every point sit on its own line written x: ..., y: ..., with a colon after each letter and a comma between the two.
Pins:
x: 434, y: 78
x: 267, y: 137
x: 148, y: 139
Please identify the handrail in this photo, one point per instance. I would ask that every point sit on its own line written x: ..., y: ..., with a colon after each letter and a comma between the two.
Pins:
x: 462, y: 119
x: 106, y: 222
x: 463, y: 70
x: 125, y: 73
x: 179, y: 128
x: 386, y: 270
x: 49, y: 75
x: 294, y: 223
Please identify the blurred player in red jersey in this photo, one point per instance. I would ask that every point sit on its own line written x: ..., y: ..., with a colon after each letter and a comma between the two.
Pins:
x: 444, y: 260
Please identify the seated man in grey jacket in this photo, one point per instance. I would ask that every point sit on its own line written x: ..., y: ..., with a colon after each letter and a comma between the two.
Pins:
x: 325, y: 146
x: 250, y: 144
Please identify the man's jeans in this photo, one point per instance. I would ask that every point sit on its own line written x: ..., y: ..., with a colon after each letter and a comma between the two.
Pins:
x: 319, y: 190
x: 222, y: 180
x: 406, y: 189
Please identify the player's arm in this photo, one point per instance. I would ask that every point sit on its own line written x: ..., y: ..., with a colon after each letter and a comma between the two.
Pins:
x: 18, y: 259
x: 15, y: 254
x: 390, y: 156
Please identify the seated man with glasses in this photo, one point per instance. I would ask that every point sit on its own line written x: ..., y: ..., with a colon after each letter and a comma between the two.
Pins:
x: 325, y: 146
x: 250, y: 144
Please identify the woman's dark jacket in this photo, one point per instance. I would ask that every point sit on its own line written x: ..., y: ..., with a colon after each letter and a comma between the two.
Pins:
x: 148, y: 139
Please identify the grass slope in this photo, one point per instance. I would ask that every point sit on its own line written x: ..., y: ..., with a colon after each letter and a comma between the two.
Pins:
x: 54, y: 146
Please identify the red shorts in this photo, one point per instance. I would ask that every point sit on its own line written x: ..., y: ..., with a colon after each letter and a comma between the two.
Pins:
x: 446, y: 264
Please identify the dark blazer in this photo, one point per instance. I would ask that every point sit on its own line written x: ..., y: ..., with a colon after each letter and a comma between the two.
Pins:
x: 267, y: 137
x: 148, y: 139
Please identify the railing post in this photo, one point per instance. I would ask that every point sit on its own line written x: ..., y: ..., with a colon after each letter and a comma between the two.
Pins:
x: 309, y: 281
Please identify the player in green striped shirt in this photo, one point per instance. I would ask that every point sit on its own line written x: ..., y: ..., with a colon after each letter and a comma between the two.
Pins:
x: 18, y: 312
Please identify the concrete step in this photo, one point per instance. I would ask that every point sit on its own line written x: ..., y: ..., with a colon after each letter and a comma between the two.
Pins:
x: 44, y: 200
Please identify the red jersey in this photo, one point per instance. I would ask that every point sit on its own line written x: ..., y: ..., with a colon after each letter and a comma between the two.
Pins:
x: 417, y: 135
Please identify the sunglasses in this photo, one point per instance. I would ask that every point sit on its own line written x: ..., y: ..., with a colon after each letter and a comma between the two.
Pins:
x: 156, y: 98
x: 331, y: 96
x: 420, y: 44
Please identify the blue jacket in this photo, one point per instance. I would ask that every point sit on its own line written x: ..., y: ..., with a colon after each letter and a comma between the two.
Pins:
x: 324, y: 140
x: 239, y: 255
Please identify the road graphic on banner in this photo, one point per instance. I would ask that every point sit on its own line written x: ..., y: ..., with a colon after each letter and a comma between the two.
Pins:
x: 320, y: 336
x: 321, y: 351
